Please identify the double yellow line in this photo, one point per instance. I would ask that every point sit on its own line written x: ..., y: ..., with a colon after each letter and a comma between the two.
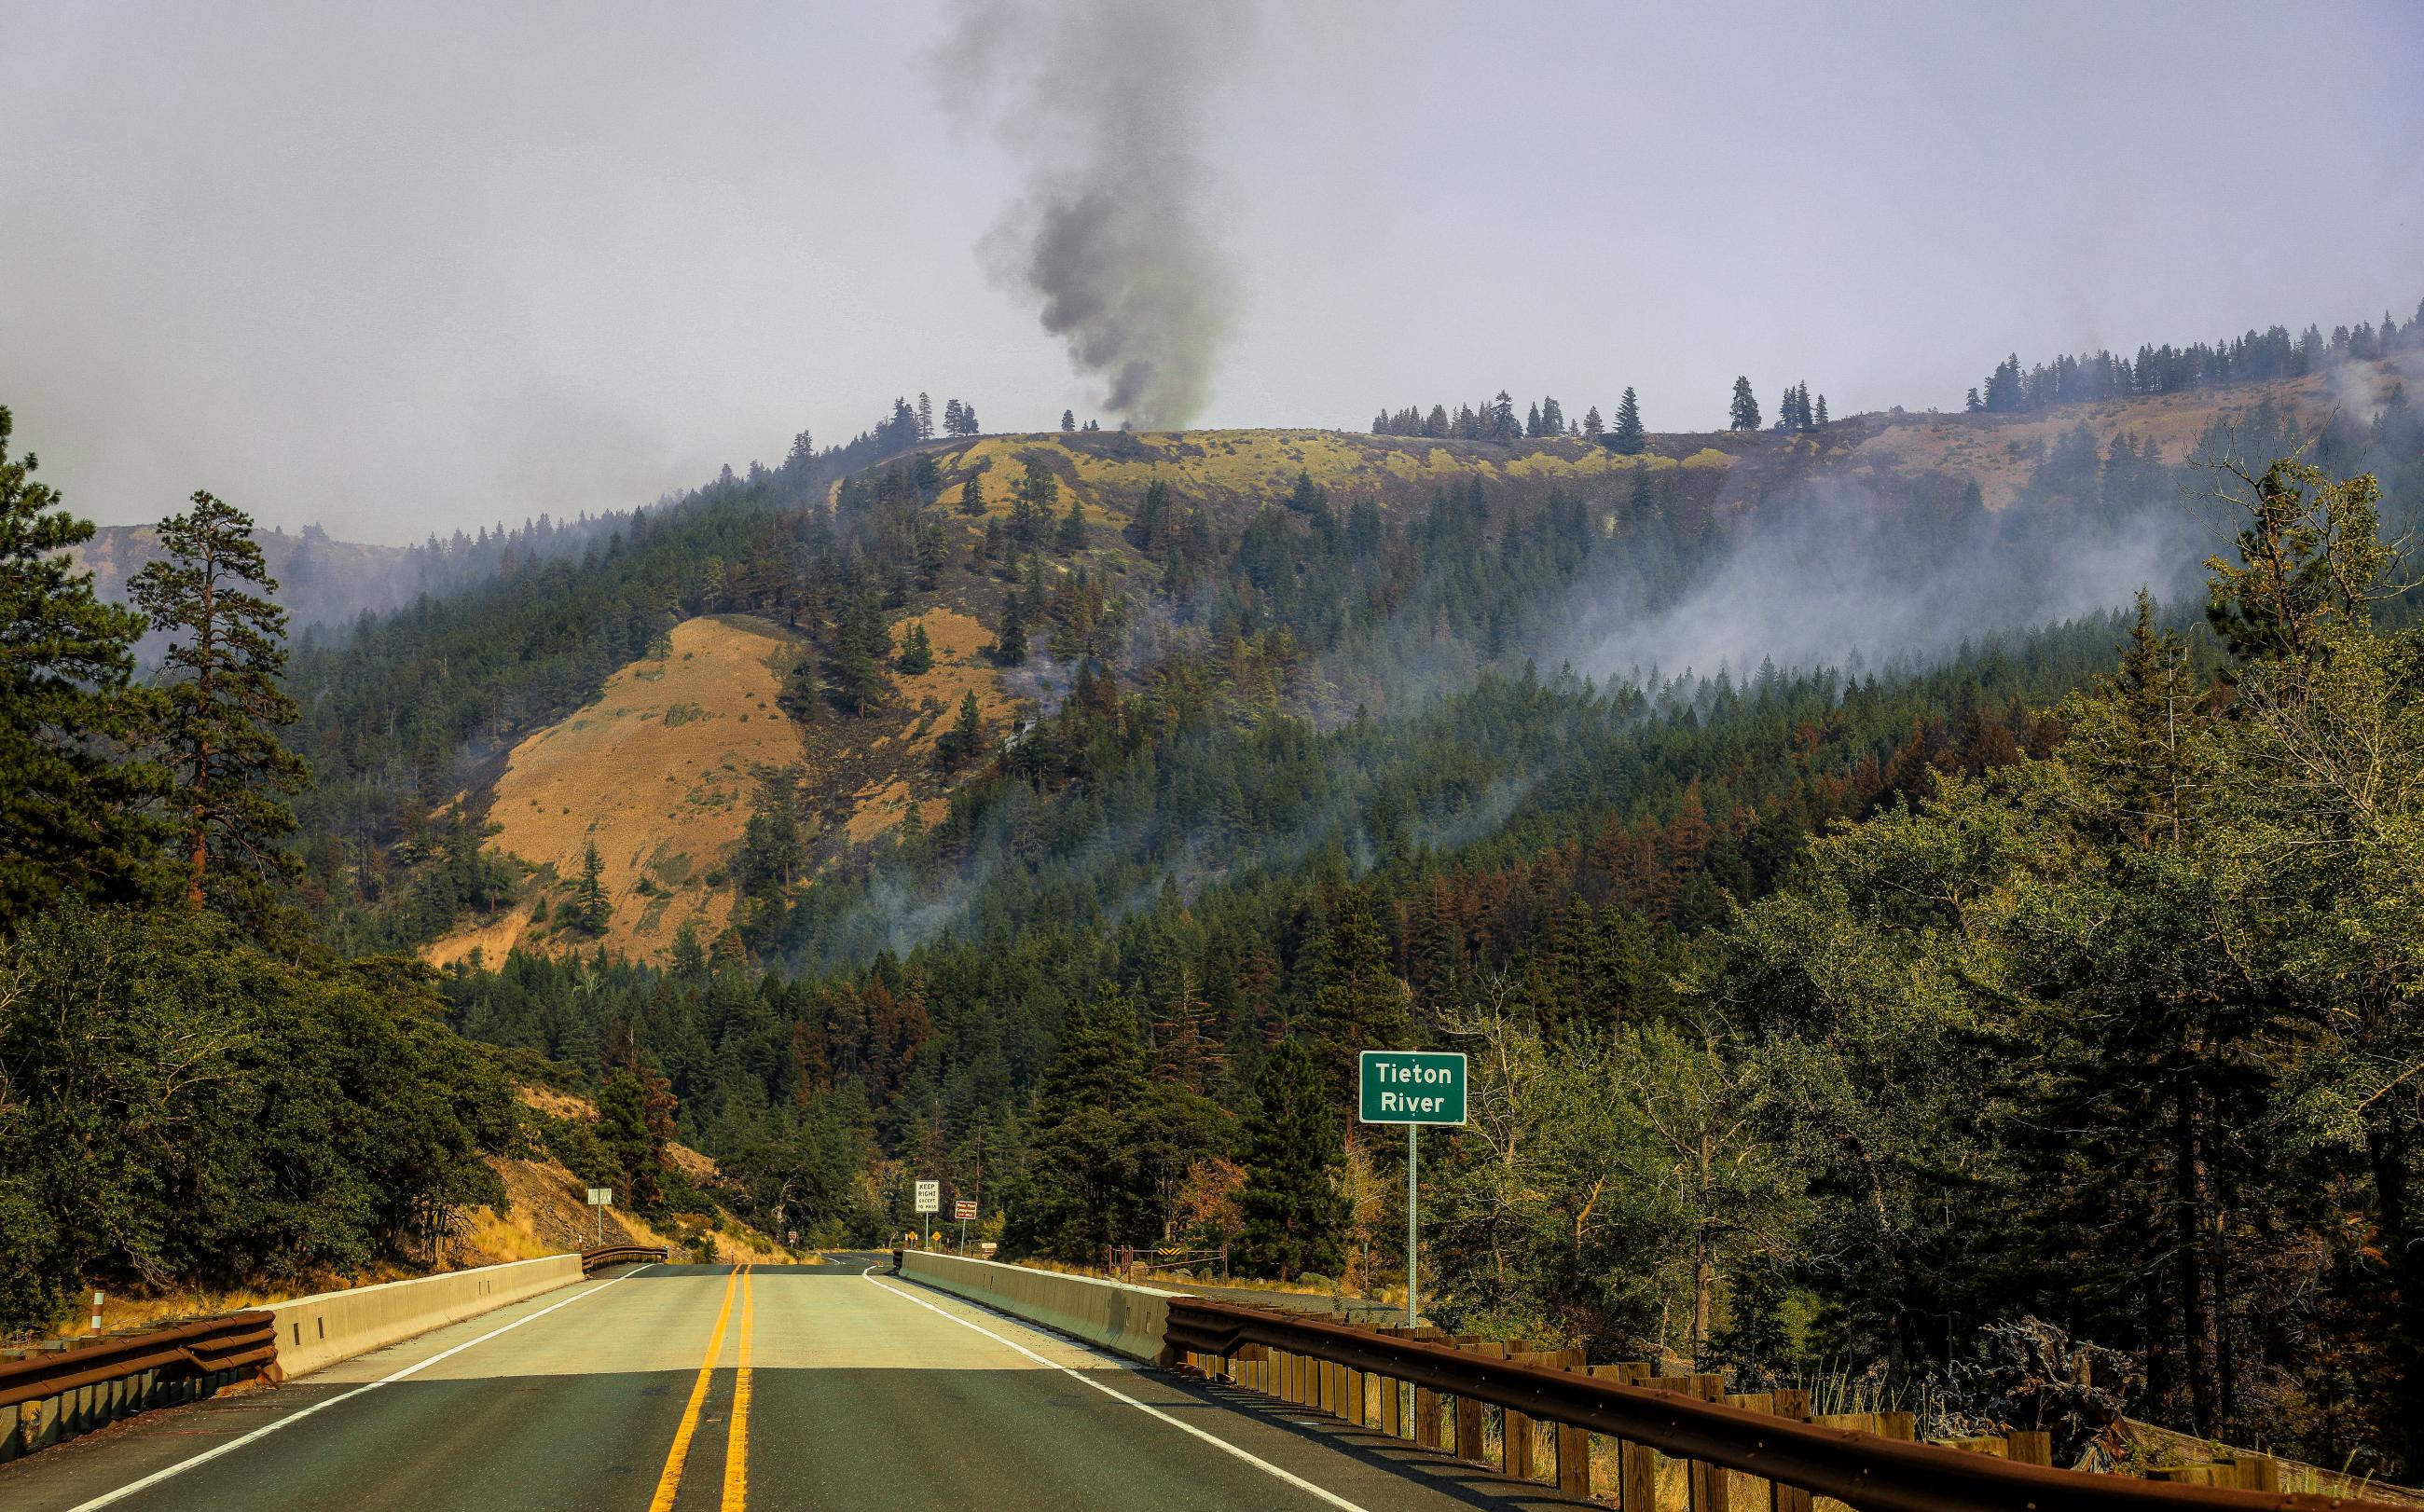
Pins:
x: 736, y: 1443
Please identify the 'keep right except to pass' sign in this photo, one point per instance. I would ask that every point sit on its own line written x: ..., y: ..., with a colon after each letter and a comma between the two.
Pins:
x: 1411, y: 1087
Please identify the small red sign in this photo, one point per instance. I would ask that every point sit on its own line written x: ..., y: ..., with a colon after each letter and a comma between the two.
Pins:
x: 966, y: 1211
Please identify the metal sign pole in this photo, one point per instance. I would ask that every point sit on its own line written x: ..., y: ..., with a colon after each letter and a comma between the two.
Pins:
x: 1412, y: 1150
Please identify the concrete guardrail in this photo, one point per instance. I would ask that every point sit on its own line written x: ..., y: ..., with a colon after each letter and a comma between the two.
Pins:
x: 1128, y: 1320
x: 314, y: 1331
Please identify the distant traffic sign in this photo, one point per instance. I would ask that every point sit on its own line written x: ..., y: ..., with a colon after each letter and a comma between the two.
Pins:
x: 929, y: 1197
x: 1412, y: 1086
x: 602, y: 1197
x: 964, y: 1211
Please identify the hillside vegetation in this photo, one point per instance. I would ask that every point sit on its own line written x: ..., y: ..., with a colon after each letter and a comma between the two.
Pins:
x: 1870, y: 926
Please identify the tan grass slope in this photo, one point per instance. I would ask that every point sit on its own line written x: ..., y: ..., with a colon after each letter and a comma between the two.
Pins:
x: 657, y: 773
x: 660, y: 774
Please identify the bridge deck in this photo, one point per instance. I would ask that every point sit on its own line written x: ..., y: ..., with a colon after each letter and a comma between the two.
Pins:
x: 861, y: 1390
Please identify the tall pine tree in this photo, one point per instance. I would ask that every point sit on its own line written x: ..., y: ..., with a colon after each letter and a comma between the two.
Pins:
x: 1628, y: 437
x: 229, y: 775
x: 1743, y: 415
x: 1293, y: 1213
x: 1082, y: 1187
x: 71, y: 812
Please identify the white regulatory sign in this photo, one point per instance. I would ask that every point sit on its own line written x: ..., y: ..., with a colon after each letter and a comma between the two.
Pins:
x: 929, y: 1197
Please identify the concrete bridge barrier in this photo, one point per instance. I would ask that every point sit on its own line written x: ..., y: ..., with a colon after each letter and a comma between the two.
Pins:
x: 319, y: 1330
x: 1125, y: 1319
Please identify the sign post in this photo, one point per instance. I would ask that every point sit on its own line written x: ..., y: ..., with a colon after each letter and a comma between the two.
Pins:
x: 1413, y: 1088
x: 929, y: 1200
x: 963, y: 1210
x: 601, y: 1198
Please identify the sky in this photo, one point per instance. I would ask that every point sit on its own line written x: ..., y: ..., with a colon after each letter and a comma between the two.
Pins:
x: 403, y: 269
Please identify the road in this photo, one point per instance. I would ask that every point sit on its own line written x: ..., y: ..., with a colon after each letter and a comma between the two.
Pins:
x: 676, y: 1389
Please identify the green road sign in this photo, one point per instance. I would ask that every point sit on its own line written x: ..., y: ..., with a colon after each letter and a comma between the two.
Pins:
x: 1412, y: 1086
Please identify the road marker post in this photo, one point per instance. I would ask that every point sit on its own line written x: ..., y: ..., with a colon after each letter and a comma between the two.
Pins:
x: 1413, y: 1088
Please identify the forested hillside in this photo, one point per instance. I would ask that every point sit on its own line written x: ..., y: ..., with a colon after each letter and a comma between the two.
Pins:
x: 1889, y: 880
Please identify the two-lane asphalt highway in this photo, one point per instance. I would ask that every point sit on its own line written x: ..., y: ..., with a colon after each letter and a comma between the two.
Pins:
x: 676, y: 1389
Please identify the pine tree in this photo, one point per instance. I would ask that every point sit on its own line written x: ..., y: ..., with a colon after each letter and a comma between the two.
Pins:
x: 925, y: 418
x: 1068, y: 420
x: 1592, y: 424
x: 1293, y: 1213
x: 70, y: 810
x: 933, y: 555
x: 771, y: 843
x: 1073, y: 529
x: 855, y: 678
x: 1641, y: 499
x: 1822, y: 412
x: 1009, y: 647
x: 1082, y: 1187
x: 1553, y: 419
x: 229, y: 773
x: 951, y: 417
x: 1358, y: 1003
x: 1033, y: 499
x: 969, y: 420
x: 972, y: 502
x: 590, y: 908
x: 965, y: 736
x: 917, y: 656
x: 1629, y: 439
x: 1504, y: 426
x: 1532, y: 421
x: 1184, y: 1058
x: 1743, y: 415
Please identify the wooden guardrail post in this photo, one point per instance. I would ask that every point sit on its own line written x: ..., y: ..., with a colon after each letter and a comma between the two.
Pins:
x: 1470, y: 1434
x: 1756, y: 1492
x: 1515, y: 1429
x: 1573, y: 1471
x: 1711, y: 1490
x: 1793, y: 1403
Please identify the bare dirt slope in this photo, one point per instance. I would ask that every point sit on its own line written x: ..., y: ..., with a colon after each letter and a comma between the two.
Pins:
x: 2001, y: 451
x: 660, y: 774
x: 656, y: 772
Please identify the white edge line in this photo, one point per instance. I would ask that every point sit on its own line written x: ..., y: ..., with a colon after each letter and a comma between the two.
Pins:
x: 1082, y: 1378
x: 181, y: 1466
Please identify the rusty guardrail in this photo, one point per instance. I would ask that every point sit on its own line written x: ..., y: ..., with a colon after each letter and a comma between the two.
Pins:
x: 52, y: 1394
x: 594, y: 1260
x: 203, y: 1349
x: 1866, y: 1471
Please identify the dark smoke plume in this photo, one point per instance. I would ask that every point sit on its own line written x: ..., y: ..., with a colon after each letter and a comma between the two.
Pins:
x: 1106, y: 100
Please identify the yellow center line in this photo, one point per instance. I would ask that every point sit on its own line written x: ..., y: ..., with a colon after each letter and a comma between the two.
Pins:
x: 669, y: 1481
x: 736, y: 1444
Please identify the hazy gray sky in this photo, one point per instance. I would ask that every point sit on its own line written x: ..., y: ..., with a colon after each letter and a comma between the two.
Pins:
x: 453, y: 262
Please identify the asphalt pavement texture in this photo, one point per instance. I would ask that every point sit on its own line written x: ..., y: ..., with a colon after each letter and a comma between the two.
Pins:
x: 682, y: 1388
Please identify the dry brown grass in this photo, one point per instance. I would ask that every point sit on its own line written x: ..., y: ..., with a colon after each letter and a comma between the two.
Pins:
x: 664, y: 801
x: 1984, y: 447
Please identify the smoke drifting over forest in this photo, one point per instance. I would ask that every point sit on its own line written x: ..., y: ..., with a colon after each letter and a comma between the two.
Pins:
x: 1115, y: 237
x: 1833, y: 573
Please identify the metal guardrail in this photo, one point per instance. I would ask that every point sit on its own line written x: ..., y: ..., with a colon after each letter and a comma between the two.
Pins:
x: 203, y: 1349
x: 594, y: 1260
x: 1866, y: 1471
